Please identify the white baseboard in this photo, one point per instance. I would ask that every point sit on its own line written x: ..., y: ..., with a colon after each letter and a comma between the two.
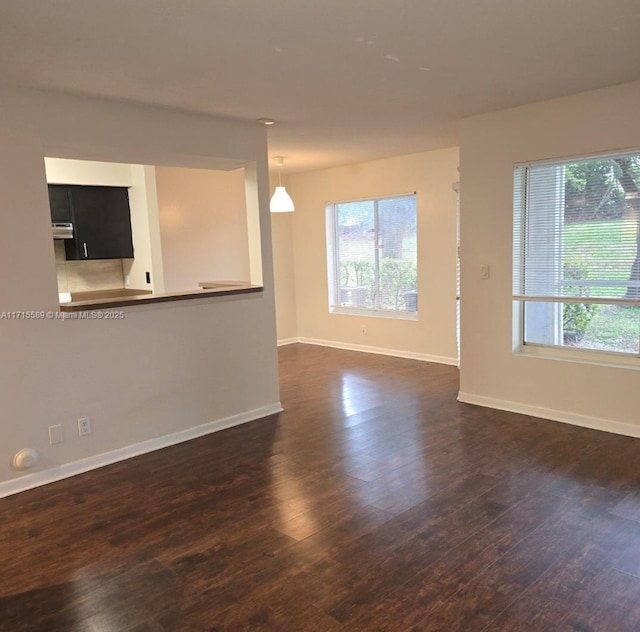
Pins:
x: 595, y: 423
x: 287, y: 341
x: 411, y: 355
x: 67, y: 470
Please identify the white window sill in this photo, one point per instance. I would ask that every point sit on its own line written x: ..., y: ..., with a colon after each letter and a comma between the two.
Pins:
x: 584, y: 356
x: 375, y: 313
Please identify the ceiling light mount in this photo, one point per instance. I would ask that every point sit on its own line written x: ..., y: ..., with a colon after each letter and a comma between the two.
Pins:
x: 265, y: 121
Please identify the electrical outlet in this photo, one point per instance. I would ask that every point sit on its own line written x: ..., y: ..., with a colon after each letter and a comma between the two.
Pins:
x: 484, y: 272
x: 363, y: 328
x: 84, y: 426
x: 55, y: 434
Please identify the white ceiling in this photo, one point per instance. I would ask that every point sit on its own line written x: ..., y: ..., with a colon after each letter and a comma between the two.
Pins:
x: 347, y: 80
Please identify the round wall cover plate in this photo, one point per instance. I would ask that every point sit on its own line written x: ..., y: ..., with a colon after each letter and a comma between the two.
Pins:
x: 26, y: 458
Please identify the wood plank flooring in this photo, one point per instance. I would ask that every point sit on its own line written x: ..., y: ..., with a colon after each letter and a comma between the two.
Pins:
x: 375, y: 501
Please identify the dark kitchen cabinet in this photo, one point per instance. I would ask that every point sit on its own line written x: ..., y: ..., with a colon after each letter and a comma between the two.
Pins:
x: 59, y: 203
x: 101, y: 222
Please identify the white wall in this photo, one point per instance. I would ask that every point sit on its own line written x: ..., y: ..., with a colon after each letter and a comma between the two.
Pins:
x: 283, y: 270
x: 203, y: 226
x: 430, y: 175
x: 165, y: 368
x: 588, y: 394
x: 89, y: 173
x: 145, y: 229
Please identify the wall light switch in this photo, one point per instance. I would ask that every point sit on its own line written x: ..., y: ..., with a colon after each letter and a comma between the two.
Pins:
x: 484, y: 271
x: 55, y: 434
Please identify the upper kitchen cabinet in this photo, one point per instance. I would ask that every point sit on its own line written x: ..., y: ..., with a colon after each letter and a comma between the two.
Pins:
x: 59, y: 203
x: 101, y: 221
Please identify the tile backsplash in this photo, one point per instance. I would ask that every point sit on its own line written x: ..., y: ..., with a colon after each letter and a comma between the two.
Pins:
x: 84, y: 276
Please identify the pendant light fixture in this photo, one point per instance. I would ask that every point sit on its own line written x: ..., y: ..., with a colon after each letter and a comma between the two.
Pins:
x: 281, y: 201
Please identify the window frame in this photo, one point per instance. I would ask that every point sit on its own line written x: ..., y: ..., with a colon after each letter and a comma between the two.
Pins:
x: 601, y: 357
x: 333, y: 259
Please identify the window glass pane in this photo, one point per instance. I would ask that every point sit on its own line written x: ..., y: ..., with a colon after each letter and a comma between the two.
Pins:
x: 600, y: 224
x: 397, y: 248
x: 593, y: 326
x: 576, y: 236
x: 356, y: 253
x: 598, y: 255
x: 373, y: 254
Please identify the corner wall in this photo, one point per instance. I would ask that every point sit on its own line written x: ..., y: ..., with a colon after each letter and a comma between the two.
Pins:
x: 578, y: 392
x: 203, y: 226
x: 430, y: 175
x: 284, y: 271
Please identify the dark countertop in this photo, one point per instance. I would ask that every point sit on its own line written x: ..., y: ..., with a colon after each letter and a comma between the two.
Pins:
x: 123, y: 297
x: 207, y: 285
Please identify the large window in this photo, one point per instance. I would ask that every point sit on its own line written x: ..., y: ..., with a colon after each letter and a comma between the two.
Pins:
x: 576, y: 260
x: 372, y: 256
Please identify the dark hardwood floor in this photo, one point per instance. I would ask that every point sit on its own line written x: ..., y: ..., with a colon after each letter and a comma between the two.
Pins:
x: 374, y: 502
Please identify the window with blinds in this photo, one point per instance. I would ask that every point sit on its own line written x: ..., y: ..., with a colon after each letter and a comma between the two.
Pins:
x: 372, y: 256
x: 576, y: 256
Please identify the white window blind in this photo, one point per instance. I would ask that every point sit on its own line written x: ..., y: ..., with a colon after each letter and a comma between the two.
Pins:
x: 576, y: 231
x: 373, y: 254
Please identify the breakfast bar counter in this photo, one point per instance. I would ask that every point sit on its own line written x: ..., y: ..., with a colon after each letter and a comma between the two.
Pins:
x: 124, y: 297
